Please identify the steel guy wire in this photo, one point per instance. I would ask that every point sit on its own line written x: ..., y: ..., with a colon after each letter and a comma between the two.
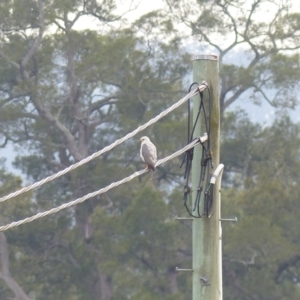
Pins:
x: 105, y: 149
x: 103, y: 190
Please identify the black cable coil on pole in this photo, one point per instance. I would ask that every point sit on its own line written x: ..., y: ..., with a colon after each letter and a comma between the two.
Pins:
x: 206, y: 161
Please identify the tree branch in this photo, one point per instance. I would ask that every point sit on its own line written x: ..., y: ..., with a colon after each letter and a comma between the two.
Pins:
x: 9, y: 61
x: 5, y: 271
x: 240, y: 91
x: 100, y: 103
x: 61, y: 127
x: 5, y: 142
x: 38, y: 40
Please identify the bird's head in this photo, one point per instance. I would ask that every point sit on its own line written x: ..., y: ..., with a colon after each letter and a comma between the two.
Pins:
x: 144, y: 139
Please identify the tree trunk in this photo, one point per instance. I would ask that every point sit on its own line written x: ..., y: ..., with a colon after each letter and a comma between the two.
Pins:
x: 5, y: 272
x: 172, y: 277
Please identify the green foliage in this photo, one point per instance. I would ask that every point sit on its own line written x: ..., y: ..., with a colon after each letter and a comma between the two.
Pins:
x: 66, y: 93
x: 265, y: 238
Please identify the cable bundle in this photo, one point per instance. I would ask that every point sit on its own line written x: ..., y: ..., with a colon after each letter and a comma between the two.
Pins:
x: 206, y: 166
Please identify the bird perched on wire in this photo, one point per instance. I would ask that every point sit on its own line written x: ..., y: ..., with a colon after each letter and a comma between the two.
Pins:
x: 148, y: 153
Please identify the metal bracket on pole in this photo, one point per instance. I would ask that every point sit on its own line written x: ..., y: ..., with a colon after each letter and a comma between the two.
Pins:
x: 183, y: 218
x: 229, y: 220
x: 184, y: 270
x: 217, y: 172
x: 204, y: 280
x: 216, y: 175
x: 203, y: 138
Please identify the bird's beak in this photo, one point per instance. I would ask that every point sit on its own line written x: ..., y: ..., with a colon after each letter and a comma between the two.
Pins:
x: 140, y: 139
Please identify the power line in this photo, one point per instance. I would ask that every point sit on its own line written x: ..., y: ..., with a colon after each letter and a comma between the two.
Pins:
x: 107, y: 148
x: 103, y: 190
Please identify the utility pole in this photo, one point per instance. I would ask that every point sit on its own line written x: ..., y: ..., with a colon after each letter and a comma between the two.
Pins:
x: 207, y: 266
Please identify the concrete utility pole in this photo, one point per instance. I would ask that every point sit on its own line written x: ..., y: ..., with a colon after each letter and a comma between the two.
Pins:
x: 206, y: 231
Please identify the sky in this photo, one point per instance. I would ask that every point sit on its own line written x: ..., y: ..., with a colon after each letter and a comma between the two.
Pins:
x: 144, y: 7
x: 134, y: 9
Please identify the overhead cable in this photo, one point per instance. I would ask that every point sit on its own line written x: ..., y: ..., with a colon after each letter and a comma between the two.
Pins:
x: 107, y: 148
x: 103, y: 190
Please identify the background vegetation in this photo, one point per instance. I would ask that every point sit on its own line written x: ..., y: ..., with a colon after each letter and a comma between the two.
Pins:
x: 66, y: 92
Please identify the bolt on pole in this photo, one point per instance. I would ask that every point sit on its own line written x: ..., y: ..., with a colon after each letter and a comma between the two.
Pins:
x: 206, y: 231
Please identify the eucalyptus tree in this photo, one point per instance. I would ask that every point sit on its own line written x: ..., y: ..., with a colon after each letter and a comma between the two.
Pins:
x: 260, y: 258
x: 257, y: 42
x: 65, y: 93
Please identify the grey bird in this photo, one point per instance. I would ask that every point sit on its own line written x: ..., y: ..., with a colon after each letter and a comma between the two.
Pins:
x: 148, y: 153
